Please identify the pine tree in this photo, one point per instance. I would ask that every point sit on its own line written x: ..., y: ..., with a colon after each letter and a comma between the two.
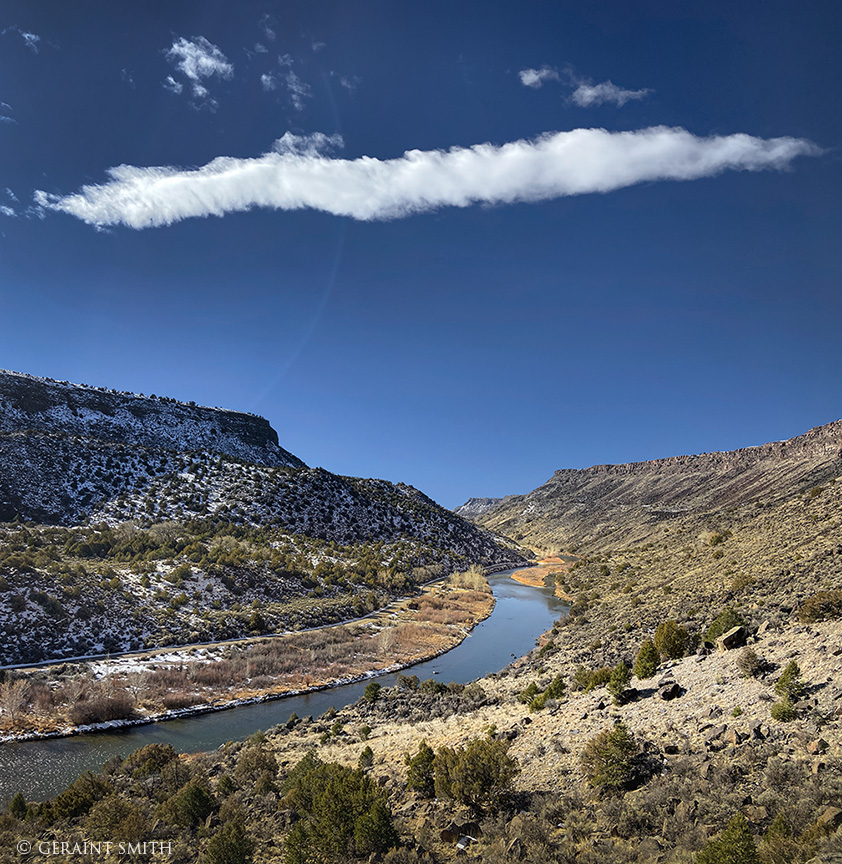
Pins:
x: 734, y: 845
x: 646, y: 664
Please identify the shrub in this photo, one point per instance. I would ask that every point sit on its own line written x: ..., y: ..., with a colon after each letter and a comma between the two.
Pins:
x: 341, y: 813
x: 80, y: 796
x: 229, y: 845
x: 610, y: 759
x: 789, y: 685
x: 825, y: 604
x: 366, y: 757
x: 723, y: 622
x: 479, y: 775
x: 148, y: 760
x: 589, y: 679
x: 734, y: 845
x: 100, y: 709
x: 749, y: 664
x: 646, y: 664
x: 188, y: 807
x: 528, y: 693
x: 372, y: 691
x: 365, y: 731
x: 17, y: 806
x: 671, y: 640
x: 420, y: 776
x: 784, y: 710
x: 619, y: 681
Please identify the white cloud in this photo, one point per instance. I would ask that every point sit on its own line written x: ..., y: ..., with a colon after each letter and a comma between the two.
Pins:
x: 299, y: 174
x: 10, y: 195
x: 7, y: 211
x: 587, y: 95
x: 171, y: 84
x: 269, y: 82
x: 350, y: 84
x: 260, y: 48
x: 31, y: 40
x: 535, y: 78
x: 297, y: 89
x: 5, y: 111
x: 197, y: 59
x: 318, y: 46
x: 266, y: 25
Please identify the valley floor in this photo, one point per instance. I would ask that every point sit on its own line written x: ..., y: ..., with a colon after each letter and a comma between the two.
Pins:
x: 69, y: 698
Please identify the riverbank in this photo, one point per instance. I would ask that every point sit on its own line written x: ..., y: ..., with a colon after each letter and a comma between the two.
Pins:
x: 69, y: 699
x: 542, y: 574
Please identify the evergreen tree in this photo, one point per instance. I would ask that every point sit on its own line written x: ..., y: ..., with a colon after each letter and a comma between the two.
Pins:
x: 734, y: 845
x: 646, y: 664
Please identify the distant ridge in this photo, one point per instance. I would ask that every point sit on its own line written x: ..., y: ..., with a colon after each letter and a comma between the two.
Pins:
x: 611, y: 503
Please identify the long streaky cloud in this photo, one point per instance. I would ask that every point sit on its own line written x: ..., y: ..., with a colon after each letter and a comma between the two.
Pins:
x: 300, y: 173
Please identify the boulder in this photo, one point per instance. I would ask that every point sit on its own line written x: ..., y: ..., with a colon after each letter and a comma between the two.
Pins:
x: 715, y: 732
x: 831, y: 818
x: 734, y: 638
x: 819, y: 745
x: 670, y: 691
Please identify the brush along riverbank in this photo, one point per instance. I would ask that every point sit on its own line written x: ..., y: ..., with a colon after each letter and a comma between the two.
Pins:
x: 68, y: 698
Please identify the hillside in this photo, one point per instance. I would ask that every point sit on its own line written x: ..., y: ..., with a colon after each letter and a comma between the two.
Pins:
x: 565, y: 755
x: 607, y: 505
x: 152, y: 522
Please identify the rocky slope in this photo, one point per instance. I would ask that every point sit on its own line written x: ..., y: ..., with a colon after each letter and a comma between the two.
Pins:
x: 606, y: 505
x: 142, y: 488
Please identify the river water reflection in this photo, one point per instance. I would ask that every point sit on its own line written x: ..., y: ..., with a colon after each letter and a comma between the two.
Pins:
x: 40, y: 769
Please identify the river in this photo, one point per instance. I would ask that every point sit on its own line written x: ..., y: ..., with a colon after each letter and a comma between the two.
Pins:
x: 40, y: 769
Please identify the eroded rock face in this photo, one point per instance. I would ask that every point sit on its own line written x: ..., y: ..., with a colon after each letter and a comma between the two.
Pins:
x: 41, y: 405
x: 610, y: 504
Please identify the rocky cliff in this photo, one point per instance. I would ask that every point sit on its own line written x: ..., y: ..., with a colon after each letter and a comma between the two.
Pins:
x: 611, y: 503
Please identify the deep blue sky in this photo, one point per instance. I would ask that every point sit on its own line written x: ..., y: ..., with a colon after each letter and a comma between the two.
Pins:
x: 466, y: 350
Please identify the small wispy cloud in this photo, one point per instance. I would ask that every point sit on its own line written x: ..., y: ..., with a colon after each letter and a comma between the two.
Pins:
x: 260, y: 48
x: 297, y: 89
x: 7, y: 211
x: 31, y: 40
x: 267, y: 26
x: 127, y: 78
x: 198, y: 60
x: 300, y: 173
x: 589, y: 95
x: 269, y: 81
x: 10, y: 195
x: 172, y: 85
x: 350, y: 83
x: 585, y: 93
x: 535, y: 78
x: 318, y: 46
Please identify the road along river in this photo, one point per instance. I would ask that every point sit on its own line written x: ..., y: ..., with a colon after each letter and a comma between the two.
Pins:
x: 40, y: 769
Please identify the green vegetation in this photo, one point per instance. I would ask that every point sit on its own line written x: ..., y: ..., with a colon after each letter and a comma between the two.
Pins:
x: 589, y: 679
x: 821, y: 606
x: 790, y: 685
x: 725, y: 621
x: 646, y: 664
x: 671, y: 640
x: 734, y: 845
x: 479, y: 775
x: 609, y: 759
x: 619, y: 682
x: 420, y: 775
x: 341, y: 814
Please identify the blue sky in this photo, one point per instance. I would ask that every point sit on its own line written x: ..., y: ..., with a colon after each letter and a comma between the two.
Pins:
x: 458, y: 245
